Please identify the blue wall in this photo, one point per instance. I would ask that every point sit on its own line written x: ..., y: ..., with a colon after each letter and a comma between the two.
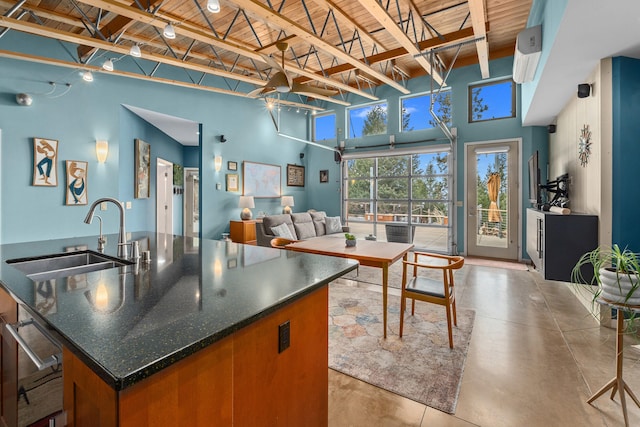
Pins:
x: 90, y: 111
x: 626, y: 152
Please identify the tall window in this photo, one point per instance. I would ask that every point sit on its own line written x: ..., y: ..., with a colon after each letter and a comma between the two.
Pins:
x: 491, y: 101
x: 367, y: 120
x: 410, y: 189
x: 415, y: 113
x: 324, y: 126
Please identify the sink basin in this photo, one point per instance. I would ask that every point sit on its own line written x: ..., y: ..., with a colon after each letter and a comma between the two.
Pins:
x: 65, y: 264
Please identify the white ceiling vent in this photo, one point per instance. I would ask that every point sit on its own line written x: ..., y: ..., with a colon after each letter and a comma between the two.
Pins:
x: 527, y: 55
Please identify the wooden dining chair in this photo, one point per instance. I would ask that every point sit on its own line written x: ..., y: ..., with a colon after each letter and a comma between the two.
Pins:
x: 437, y: 291
x: 281, y: 242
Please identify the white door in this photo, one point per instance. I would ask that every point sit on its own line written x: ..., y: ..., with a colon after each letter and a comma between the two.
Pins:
x: 191, y: 202
x: 492, y: 182
x: 164, y: 196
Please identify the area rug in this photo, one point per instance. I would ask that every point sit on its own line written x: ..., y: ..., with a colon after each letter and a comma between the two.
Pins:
x: 420, y: 366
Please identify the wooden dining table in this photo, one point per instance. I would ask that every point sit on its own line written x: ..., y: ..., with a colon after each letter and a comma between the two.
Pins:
x: 367, y: 252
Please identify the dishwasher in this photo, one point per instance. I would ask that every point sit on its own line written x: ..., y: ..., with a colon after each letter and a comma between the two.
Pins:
x: 39, y: 372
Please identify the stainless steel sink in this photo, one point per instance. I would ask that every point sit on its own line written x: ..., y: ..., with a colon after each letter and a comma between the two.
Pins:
x: 61, y: 265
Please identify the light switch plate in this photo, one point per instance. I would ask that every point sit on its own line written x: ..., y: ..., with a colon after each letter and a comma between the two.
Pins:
x: 218, y: 186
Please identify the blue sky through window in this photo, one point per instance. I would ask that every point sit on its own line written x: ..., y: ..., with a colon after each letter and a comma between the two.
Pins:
x: 498, y: 97
x: 357, y: 116
x: 418, y: 109
x: 324, y: 127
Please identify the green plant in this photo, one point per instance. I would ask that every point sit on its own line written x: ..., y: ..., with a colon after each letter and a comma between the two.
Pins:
x: 616, y: 274
x: 349, y: 236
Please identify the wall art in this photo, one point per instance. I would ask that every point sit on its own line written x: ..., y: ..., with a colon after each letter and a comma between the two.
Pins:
x: 143, y: 169
x: 45, y: 162
x: 76, y: 184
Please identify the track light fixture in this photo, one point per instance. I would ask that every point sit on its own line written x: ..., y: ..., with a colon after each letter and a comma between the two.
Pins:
x: 87, y: 76
x: 213, y: 6
x: 169, y: 32
x: 107, y: 65
x: 135, y: 51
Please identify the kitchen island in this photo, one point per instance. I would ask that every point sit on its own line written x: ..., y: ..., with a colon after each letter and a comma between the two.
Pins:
x: 208, y: 333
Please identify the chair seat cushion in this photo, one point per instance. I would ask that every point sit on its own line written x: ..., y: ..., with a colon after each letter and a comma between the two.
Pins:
x: 426, y: 286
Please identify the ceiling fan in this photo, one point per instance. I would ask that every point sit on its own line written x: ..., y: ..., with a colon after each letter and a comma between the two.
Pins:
x: 283, y: 83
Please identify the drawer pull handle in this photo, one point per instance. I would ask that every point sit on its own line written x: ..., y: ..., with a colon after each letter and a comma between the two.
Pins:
x: 53, y: 360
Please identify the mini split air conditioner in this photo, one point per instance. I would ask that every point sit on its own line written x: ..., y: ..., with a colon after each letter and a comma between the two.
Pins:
x: 527, y: 55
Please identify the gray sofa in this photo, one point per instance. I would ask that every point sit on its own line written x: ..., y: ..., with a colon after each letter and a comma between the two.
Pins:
x: 303, y: 225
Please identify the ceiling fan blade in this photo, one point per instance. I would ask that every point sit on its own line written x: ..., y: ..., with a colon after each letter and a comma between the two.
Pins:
x: 279, y: 80
x: 271, y: 62
x: 312, y: 90
x: 261, y: 91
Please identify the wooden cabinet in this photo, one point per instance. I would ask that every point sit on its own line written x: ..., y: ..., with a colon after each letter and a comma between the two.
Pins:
x: 243, y: 232
x: 555, y: 242
x: 241, y: 380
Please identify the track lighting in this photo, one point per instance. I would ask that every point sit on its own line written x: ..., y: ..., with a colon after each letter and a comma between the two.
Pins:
x: 213, y: 6
x: 169, y: 32
x: 107, y: 65
x: 87, y: 76
x: 135, y: 51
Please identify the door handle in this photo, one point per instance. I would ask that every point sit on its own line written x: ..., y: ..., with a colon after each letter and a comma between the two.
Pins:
x: 53, y: 360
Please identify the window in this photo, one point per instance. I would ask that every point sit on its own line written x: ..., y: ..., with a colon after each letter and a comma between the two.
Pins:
x: 415, y: 111
x: 367, y: 120
x: 412, y: 189
x: 324, y: 126
x: 491, y: 101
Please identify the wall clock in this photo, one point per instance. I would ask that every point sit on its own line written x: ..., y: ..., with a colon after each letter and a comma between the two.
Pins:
x: 584, y: 145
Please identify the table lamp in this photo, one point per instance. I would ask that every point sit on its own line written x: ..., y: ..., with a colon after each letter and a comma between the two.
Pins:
x: 287, y: 202
x: 246, y: 203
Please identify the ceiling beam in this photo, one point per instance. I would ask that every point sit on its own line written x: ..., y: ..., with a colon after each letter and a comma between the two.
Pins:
x: 478, y: 14
x: 450, y: 38
x: 270, y: 17
x: 117, y: 25
x: 378, y: 12
x: 203, y: 36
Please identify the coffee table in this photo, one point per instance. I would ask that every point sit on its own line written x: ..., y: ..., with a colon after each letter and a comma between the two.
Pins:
x: 368, y: 253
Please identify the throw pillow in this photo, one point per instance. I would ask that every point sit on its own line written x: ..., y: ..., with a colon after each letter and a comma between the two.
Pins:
x: 305, y: 230
x: 283, y: 231
x: 333, y: 224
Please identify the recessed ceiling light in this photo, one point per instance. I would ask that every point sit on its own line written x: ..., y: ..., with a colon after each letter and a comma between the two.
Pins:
x: 213, y: 6
x: 169, y: 32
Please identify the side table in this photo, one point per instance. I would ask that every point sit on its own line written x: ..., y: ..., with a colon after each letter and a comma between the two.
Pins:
x: 617, y: 383
x: 243, y: 232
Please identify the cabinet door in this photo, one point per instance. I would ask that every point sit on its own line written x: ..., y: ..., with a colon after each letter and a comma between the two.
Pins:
x: 9, y: 371
x: 535, y: 238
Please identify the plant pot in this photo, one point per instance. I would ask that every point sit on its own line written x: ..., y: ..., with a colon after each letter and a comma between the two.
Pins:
x: 616, y: 288
x: 350, y: 243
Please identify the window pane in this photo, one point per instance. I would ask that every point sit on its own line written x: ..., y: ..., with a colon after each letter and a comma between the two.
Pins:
x: 359, y: 211
x: 492, y: 101
x: 360, y: 168
x: 393, y: 166
x: 360, y: 189
x: 324, y: 127
x: 367, y: 120
x: 430, y: 188
x: 431, y: 163
x: 416, y: 115
x: 393, y: 188
x: 434, y: 213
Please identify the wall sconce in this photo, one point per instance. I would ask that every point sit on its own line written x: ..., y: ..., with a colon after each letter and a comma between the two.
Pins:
x: 246, y: 203
x: 287, y: 202
x: 102, y: 150
x: 217, y: 163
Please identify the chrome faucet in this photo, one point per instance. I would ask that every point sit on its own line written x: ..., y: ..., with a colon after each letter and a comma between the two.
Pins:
x: 122, y: 237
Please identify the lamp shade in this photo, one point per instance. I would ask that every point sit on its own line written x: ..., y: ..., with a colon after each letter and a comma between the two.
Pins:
x: 213, y: 6
x: 287, y: 201
x: 169, y: 32
x: 135, y: 51
x: 102, y: 150
x: 217, y: 163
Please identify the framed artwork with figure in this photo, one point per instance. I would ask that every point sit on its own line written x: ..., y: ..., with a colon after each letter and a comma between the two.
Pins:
x: 76, y: 185
x: 45, y: 162
x: 143, y: 169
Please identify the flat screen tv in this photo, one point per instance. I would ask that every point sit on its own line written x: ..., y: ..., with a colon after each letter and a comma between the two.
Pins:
x: 534, y: 180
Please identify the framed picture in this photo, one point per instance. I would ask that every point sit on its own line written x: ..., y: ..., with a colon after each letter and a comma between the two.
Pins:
x: 232, y: 166
x: 178, y: 175
x: 324, y: 176
x: 76, y: 185
x: 295, y: 176
x: 143, y: 169
x: 232, y: 182
x: 261, y: 180
x: 45, y: 162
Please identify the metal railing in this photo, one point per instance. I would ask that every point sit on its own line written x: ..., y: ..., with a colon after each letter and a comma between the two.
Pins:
x: 492, y: 228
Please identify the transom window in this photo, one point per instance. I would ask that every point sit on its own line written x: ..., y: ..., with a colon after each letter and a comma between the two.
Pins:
x: 415, y: 113
x: 492, y: 101
x: 324, y: 126
x: 365, y: 120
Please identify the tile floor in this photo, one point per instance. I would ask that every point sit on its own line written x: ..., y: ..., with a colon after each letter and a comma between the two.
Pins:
x: 536, y: 355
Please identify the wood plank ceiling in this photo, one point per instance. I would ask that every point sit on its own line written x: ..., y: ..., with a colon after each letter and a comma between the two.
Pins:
x: 343, y: 46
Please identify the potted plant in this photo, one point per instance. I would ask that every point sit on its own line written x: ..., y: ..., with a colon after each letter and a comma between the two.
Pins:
x: 350, y: 239
x: 616, y: 274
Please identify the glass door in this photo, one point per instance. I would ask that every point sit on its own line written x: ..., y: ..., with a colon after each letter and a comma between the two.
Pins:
x: 492, y: 200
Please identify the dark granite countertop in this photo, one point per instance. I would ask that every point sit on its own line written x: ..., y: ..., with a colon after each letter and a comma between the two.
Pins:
x: 192, y: 294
